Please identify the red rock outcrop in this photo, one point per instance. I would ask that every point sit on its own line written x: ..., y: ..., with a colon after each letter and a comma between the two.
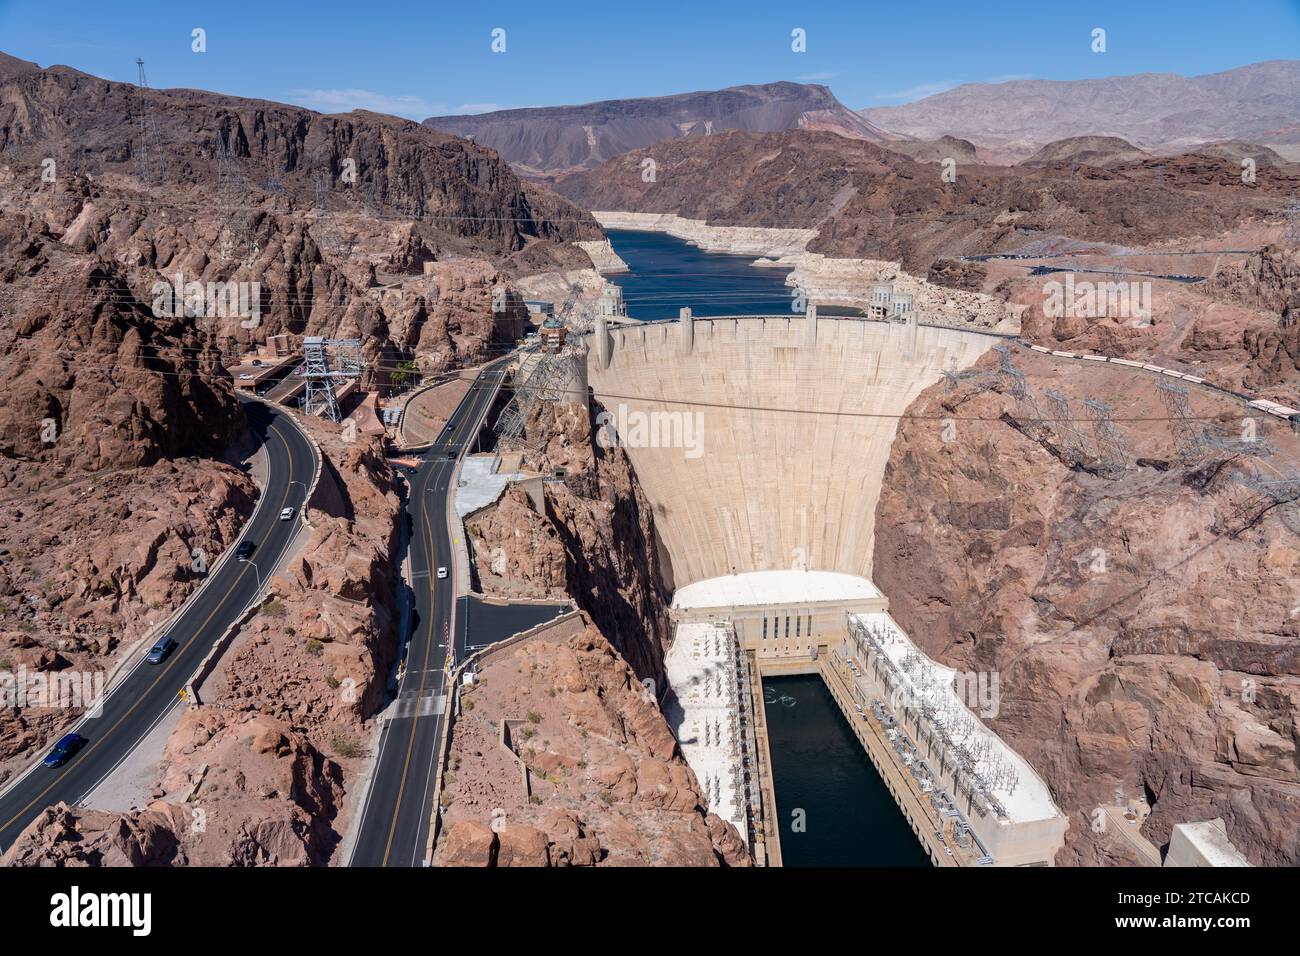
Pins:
x: 607, y: 783
x: 62, y: 836
x: 596, y: 541
x: 1144, y: 629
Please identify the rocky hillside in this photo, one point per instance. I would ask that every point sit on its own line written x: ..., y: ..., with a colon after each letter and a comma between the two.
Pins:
x: 1088, y: 151
x: 1159, y: 111
x: 608, y: 784
x: 269, y: 760
x: 596, y: 541
x: 1144, y: 628
x: 549, y: 141
x: 867, y: 201
x: 118, y: 442
x: 358, y: 224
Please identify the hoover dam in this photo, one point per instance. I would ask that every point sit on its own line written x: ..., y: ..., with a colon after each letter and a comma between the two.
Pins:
x: 761, y: 443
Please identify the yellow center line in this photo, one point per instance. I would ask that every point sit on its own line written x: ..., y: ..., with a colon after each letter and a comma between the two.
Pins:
x: 424, y: 669
x: 424, y: 675
x: 139, y: 700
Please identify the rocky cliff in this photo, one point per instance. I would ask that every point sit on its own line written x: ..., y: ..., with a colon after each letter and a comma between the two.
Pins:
x: 547, y: 142
x: 595, y: 542
x: 1144, y: 629
x: 866, y: 201
x: 607, y: 783
x: 356, y: 225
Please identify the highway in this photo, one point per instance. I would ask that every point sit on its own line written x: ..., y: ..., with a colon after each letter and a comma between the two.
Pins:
x: 144, y: 694
x: 398, y: 806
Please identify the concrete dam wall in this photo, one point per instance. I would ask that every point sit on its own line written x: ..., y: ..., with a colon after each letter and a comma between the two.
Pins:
x: 761, y: 441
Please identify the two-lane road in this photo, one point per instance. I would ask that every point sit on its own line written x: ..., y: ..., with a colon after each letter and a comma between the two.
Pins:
x: 146, y: 693
x: 398, y: 808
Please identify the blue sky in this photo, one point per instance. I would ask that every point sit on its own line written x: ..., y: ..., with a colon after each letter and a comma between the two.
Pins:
x: 421, y: 59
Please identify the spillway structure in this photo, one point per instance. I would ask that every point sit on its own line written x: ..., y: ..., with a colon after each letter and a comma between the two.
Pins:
x: 761, y: 444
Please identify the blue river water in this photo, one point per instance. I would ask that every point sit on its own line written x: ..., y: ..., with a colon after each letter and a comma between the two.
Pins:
x: 668, y: 273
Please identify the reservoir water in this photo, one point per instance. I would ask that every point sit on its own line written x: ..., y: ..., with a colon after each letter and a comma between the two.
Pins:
x: 832, y: 806
x: 819, y: 768
x: 668, y: 273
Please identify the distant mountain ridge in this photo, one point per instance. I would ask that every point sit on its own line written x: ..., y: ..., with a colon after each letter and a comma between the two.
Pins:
x: 1259, y: 103
x: 549, y: 141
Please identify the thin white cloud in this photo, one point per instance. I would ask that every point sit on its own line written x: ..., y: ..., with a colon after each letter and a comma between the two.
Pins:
x: 816, y: 77
x: 917, y: 92
x: 342, y: 101
x: 1009, y: 77
x: 479, y: 108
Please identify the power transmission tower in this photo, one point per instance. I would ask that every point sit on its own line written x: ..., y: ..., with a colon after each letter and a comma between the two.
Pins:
x: 148, y: 159
x: 1291, y: 231
x: 1111, y: 452
x: 1029, y: 414
x: 1189, y: 440
x: 1281, y: 489
x: 1073, y: 440
x: 319, y: 397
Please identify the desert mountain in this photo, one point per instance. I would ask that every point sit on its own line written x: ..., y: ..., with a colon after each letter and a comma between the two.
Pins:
x: 548, y: 141
x: 937, y: 150
x: 1155, y: 111
x: 1090, y: 150
x: 866, y: 200
x: 1236, y: 151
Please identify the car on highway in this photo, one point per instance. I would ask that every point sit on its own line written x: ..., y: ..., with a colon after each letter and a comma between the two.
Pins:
x: 161, y: 649
x: 442, y: 573
x: 246, y: 376
x: 245, y: 550
x: 286, y: 514
x: 62, y: 752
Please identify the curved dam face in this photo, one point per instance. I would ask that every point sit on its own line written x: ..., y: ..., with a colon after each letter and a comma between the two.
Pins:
x: 762, y: 441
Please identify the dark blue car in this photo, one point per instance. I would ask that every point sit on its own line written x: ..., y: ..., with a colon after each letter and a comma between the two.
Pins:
x: 68, y: 745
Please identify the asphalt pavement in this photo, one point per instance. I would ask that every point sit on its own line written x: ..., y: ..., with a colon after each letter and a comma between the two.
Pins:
x: 144, y: 694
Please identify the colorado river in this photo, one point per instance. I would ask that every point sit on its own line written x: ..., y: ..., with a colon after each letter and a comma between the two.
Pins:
x: 668, y: 273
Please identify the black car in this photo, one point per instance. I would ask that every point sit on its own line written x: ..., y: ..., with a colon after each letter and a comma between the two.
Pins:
x: 245, y: 550
x: 159, y: 652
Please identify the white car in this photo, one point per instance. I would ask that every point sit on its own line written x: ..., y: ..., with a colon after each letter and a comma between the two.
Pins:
x: 286, y: 514
x: 442, y: 573
x: 246, y: 376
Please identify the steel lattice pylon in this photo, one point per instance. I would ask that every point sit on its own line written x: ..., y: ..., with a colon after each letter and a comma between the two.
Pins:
x: 546, y: 381
x: 1073, y: 440
x: 1189, y: 436
x: 1111, y: 451
x: 148, y: 161
x: 319, y: 398
x: 1291, y: 232
x: 1028, y: 411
